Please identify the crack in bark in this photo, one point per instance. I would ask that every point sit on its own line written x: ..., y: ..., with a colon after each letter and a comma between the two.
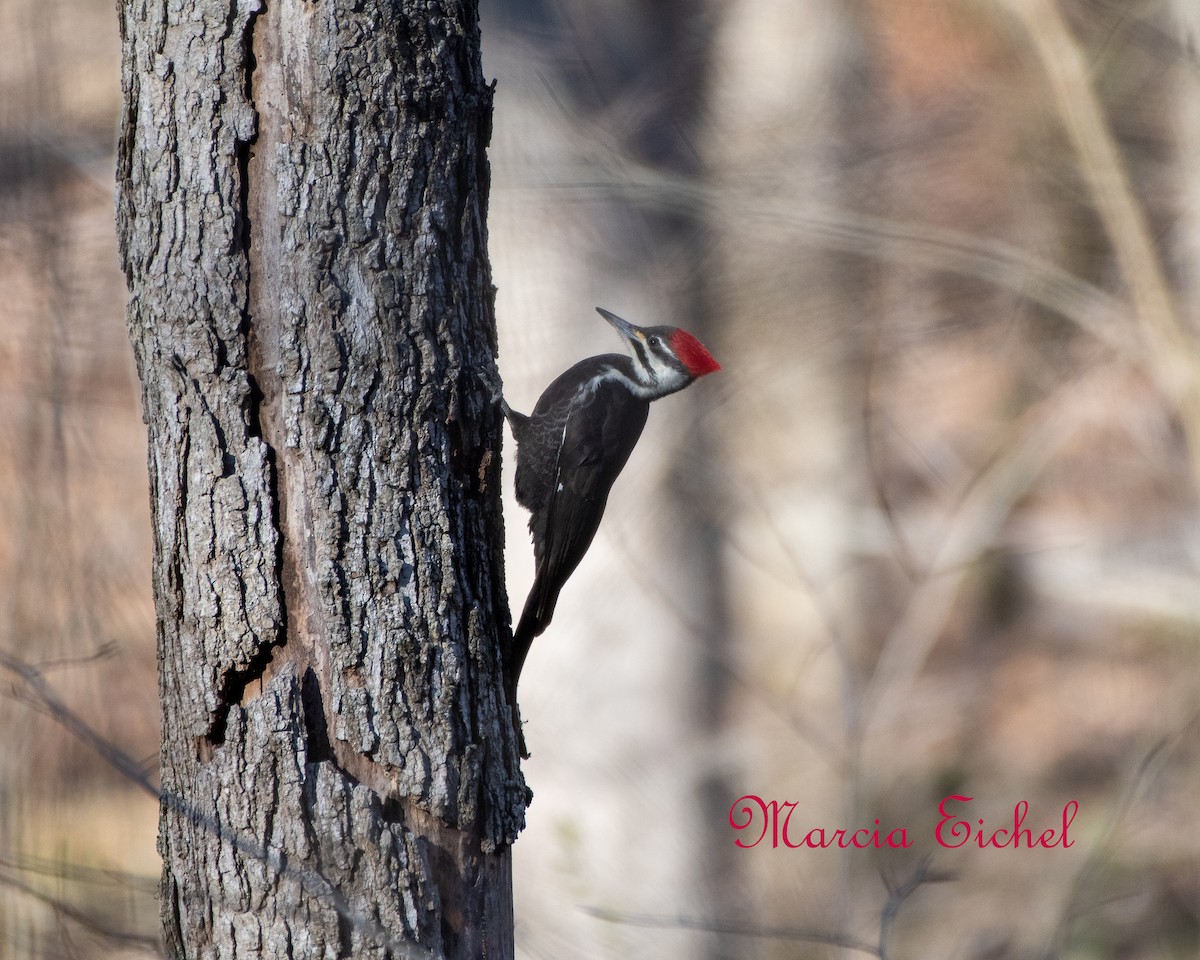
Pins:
x: 235, y: 684
x: 316, y: 723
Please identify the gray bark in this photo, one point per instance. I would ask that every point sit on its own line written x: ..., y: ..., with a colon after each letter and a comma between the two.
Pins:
x: 302, y: 199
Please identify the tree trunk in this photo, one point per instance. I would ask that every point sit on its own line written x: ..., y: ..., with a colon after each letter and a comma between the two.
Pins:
x: 302, y: 200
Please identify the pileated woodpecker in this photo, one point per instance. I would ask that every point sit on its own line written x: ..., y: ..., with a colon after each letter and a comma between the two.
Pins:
x: 573, y: 446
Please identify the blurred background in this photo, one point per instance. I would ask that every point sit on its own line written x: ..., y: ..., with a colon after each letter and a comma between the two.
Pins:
x: 932, y: 531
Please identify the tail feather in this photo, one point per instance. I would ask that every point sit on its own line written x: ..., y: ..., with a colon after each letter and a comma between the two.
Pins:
x: 539, y: 608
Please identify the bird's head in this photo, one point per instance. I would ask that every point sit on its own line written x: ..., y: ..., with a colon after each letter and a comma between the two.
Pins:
x: 665, y: 359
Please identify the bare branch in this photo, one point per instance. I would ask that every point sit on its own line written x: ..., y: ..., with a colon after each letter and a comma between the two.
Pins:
x: 987, y: 503
x: 1172, y: 349
x: 897, y: 895
x: 732, y: 928
x: 312, y: 882
x: 75, y: 915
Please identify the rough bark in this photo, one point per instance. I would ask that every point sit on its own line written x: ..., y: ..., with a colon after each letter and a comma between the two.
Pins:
x: 302, y: 199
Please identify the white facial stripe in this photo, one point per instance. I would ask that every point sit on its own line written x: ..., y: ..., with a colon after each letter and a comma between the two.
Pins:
x: 661, y: 378
x: 655, y: 374
x: 663, y: 371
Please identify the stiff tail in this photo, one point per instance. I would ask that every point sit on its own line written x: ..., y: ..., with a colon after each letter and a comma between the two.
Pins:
x: 535, y: 618
x: 539, y: 608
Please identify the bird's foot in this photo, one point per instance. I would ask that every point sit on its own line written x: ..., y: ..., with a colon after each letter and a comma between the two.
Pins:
x: 519, y: 729
x: 490, y: 378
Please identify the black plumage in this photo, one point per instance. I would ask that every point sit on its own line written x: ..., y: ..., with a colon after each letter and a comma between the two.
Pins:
x: 572, y: 448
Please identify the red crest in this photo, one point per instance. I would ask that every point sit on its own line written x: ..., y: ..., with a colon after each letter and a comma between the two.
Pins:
x: 693, y: 354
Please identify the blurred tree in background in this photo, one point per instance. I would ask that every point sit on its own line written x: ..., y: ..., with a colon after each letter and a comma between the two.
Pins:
x: 933, y: 530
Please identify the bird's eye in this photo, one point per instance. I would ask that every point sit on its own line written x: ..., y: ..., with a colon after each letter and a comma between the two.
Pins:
x: 654, y: 341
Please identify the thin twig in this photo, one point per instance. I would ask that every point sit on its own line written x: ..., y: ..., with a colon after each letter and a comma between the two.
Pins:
x: 905, y: 556
x: 48, y: 700
x: 913, y: 244
x: 987, y: 503
x: 103, y: 652
x: 897, y: 895
x: 311, y: 882
x: 77, y: 873
x: 1172, y: 349
x: 77, y: 916
x: 1101, y: 847
x: 731, y: 928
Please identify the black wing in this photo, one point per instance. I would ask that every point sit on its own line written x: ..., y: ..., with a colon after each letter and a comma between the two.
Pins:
x: 598, y: 436
x: 540, y: 435
x: 598, y: 432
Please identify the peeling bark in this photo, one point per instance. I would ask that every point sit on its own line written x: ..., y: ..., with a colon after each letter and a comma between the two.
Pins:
x: 302, y: 201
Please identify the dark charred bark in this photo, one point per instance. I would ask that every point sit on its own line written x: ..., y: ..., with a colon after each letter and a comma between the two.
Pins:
x: 302, y: 202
